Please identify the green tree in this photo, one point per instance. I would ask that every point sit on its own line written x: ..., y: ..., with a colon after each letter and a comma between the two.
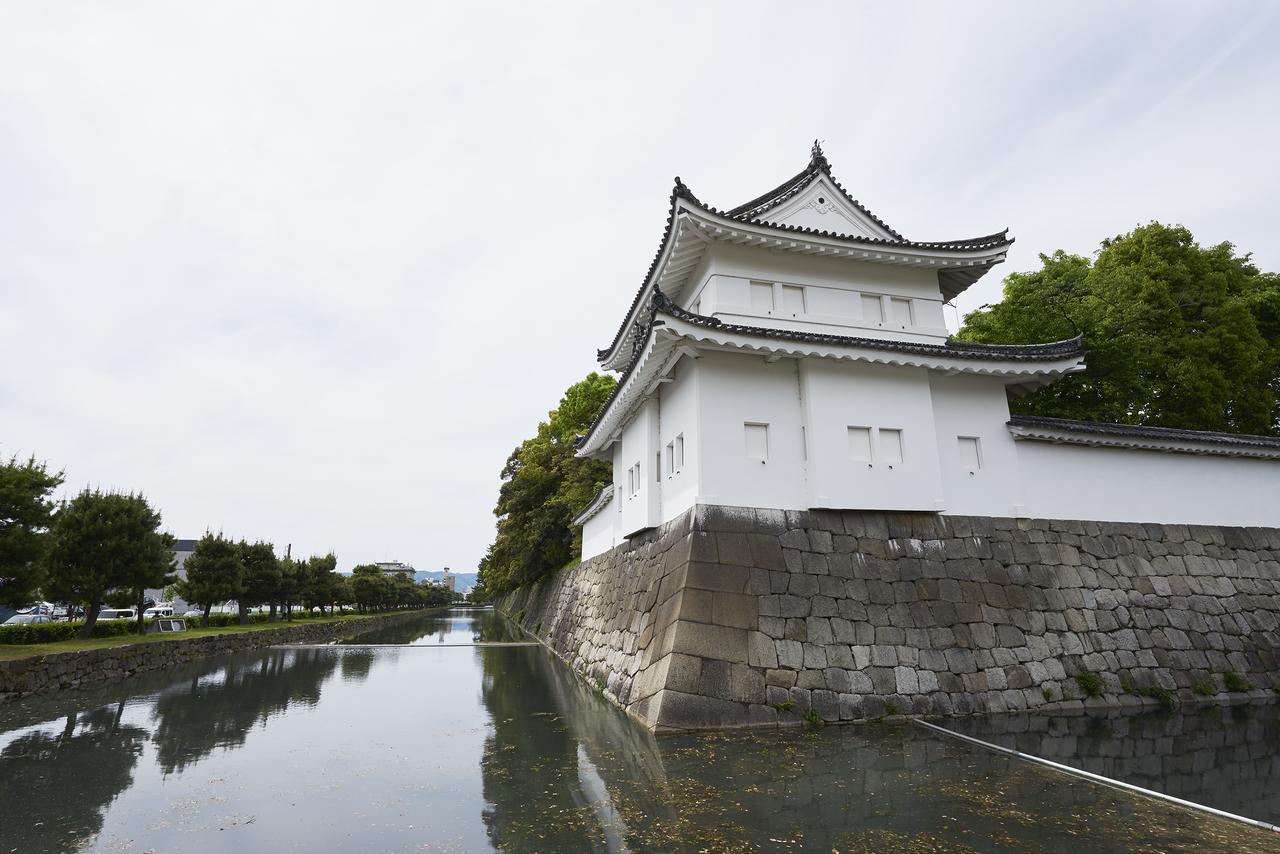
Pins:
x: 261, y: 579
x: 368, y: 588
x: 1177, y: 335
x: 433, y: 595
x: 25, y: 512
x: 214, y: 573
x: 151, y: 569
x: 544, y: 485
x: 321, y: 585
x: 293, y: 577
x: 106, y: 545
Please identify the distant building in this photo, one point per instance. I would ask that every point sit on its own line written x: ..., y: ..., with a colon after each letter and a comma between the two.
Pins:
x: 395, y: 567
x: 449, y: 580
x: 181, y: 550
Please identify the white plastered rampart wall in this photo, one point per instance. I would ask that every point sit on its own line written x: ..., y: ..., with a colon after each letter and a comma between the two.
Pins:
x: 796, y: 434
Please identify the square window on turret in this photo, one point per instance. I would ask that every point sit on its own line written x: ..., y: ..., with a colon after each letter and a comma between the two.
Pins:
x: 762, y: 297
x: 793, y: 300
x: 872, y: 309
x: 757, y: 441
x: 860, y: 444
x: 901, y: 311
x: 890, y: 445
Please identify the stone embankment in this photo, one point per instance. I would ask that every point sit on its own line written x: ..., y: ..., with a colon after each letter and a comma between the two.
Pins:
x: 90, y: 668
x: 732, y: 616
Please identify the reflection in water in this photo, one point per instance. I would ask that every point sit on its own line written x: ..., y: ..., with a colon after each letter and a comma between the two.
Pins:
x: 464, y: 626
x: 219, y: 713
x: 472, y: 748
x: 546, y: 758
x: 54, y: 786
x: 1226, y: 757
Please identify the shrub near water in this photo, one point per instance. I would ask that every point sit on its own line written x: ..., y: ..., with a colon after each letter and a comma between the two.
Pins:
x: 54, y: 632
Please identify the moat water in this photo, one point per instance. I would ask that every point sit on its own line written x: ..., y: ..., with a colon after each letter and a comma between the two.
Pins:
x: 410, y: 739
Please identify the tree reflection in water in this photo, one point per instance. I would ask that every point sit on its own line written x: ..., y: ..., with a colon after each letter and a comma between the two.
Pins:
x: 220, y: 712
x: 479, y: 625
x: 55, y: 787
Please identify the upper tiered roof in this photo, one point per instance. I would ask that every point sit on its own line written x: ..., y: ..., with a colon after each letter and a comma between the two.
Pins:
x: 668, y: 331
x: 785, y: 219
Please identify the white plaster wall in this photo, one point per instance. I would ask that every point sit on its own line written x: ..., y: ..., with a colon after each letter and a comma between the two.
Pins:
x: 1120, y: 485
x: 832, y: 289
x: 635, y: 511
x: 679, y: 417
x: 840, y: 395
x: 734, y: 389
x: 599, y: 533
x: 808, y: 406
x: 976, y: 407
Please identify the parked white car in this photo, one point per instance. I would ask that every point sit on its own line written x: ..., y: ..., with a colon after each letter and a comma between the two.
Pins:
x: 158, y: 611
x: 118, y: 614
x: 27, y: 619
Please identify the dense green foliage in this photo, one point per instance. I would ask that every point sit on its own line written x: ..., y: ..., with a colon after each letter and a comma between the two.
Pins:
x: 374, y: 590
x: 106, y: 548
x: 25, y: 513
x: 62, y: 630
x: 260, y: 581
x: 293, y: 574
x: 322, y: 586
x: 106, y: 545
x: 214, y: 573
x: 544, y: 485
x: 1178, y: 335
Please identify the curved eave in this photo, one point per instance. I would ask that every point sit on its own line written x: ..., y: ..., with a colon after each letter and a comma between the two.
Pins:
x: 1099, y: 435
x: 692, y: 225
x: 675, y: 332
x: 1013, y: 366
x: 598, y: 502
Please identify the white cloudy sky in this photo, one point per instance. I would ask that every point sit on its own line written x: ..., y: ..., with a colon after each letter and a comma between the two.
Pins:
x: 308, y: 271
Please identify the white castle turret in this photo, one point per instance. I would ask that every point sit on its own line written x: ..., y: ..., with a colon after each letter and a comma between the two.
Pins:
x: 791, y: 354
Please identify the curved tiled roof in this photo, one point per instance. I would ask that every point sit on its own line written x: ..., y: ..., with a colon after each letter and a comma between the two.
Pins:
x: 951, y: 349
x: 595, y: 505
x: 1137, y: 431
x: 661, y: 304
x: 748, y: 214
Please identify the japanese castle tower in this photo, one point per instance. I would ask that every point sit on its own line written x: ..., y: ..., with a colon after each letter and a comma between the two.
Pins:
x: 791, y: 353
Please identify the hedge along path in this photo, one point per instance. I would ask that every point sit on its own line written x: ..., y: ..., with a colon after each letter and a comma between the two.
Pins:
x: 89, y: 668
x: 12, y: 651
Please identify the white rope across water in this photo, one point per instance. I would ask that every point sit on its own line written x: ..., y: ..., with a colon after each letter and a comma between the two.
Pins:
x: 1097, y: 778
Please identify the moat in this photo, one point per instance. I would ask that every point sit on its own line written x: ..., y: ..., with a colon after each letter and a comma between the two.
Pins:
x: 426, y: 737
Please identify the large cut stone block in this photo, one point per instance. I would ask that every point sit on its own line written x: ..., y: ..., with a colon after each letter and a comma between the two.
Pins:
x: 738, y: 610
x: 718, y: 576
x: 724, y: 643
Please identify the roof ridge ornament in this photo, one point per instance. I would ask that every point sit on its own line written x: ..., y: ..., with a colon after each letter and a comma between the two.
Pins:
x: 818, y: 160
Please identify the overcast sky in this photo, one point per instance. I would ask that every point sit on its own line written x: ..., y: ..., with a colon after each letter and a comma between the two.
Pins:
x: 307, y: 272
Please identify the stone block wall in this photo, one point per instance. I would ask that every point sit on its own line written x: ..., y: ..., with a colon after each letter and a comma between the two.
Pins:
x: 612, y: 617
x: 734, y: 616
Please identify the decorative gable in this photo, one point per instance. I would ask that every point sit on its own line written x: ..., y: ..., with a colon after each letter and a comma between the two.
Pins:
x: 822, y: 206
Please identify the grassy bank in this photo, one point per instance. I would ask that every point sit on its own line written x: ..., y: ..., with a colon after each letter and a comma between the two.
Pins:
x: 9, y: 652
